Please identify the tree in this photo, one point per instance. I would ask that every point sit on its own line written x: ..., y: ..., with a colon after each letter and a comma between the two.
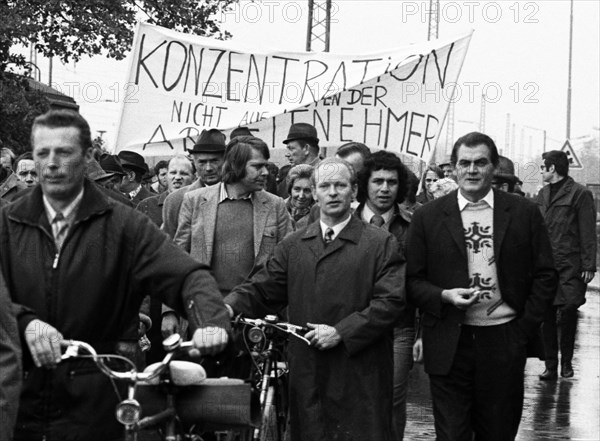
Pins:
x: 72, y: 29
x: 69, y: 29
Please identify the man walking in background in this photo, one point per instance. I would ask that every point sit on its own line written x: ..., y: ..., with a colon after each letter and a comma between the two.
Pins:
x: 569, y: 211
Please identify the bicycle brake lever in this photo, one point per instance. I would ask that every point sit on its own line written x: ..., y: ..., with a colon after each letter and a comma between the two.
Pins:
x: 71, y: 351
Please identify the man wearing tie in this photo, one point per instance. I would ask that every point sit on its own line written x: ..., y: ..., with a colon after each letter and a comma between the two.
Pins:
x: 382, y: 187
x: 345, y: 281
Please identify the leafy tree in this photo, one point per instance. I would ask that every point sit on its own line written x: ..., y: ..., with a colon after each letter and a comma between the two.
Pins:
x: 70, y: 29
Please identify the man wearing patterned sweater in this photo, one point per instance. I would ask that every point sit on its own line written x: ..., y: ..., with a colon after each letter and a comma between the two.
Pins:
x: 480, y: 269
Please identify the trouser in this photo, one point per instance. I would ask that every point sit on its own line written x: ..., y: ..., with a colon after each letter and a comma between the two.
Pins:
x: 482, y: 395
x: 403, y: 362
x: 565, y: 318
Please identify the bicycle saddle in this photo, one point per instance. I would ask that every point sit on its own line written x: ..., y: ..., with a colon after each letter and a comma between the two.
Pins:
x: 183, y: 373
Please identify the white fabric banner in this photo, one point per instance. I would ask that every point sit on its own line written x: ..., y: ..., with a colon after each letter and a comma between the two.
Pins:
x: 180, y: 84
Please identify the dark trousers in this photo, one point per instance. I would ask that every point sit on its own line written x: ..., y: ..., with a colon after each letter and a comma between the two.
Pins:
x: 481, y: 398
x: 565, y: 318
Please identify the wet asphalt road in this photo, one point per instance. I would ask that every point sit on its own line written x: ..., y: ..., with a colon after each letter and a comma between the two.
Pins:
x: 567, y: 409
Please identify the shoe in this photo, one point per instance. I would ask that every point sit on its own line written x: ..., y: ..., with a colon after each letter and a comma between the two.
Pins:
x: 566, y: 370
x: 549, y: 375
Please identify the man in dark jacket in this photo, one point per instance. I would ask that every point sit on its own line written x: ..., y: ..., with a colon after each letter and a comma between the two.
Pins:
x: 78, y: 264
x: 382, y: 186
x: 568, y: 209
x: 10, y: 365
x: 345, y: 281
x: 481, y: 272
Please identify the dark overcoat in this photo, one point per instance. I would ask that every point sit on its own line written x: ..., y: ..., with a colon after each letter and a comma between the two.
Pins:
x: 355, y: 284
x: 571, y: 220
x: 91, y: 291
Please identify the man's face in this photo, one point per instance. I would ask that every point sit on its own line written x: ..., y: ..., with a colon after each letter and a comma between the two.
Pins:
x: 179, y: 174
x: 547, y: 172
x: 60, y: 161
x: 333, y: 190
x: 111, y: 183
x: 356, y: 160
x: 499, y: 184
x: 296, y: 154
x: 208, y: 167
x: 256, y: 172
x: 5, y: 161
x: 430, y: 178
x: 475, y: 171
x: 382, y: 190
x: 162, y: 176
x: 447, y: 169
x: 26, y: 172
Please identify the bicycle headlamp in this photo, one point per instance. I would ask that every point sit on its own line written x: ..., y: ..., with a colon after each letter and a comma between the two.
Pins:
x: 256, y: 335
x: 128, y: 412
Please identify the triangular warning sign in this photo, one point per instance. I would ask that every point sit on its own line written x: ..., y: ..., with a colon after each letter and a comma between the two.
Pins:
x: 574, y: 162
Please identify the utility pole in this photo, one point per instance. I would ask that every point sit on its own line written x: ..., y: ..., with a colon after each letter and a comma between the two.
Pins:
x: 433, y: 29
x: 570, y: 69
x: 507, y: 137
x: 319, y: 24
x: 482, y: 114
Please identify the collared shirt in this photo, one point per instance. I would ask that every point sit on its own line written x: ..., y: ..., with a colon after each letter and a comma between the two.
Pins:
x: 336, y: 228
x: 367, y: 215
x: 68, y: 214
x: 463, y: 201
x: 134, y: 193
x: 224, y: 196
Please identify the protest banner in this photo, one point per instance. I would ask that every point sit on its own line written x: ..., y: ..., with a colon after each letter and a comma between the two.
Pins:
x: 181, y: 84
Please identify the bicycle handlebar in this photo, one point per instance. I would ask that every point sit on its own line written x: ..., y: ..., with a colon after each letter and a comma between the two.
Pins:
x: 273, y: 322
x: 172, y: 345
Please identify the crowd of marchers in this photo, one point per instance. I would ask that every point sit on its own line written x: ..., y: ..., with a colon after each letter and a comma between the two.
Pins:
x: 455, y: 268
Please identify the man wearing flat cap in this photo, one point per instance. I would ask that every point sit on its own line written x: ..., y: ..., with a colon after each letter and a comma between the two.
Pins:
x: 135, y: 168
x: 302, y: 144
x: 207, y: 155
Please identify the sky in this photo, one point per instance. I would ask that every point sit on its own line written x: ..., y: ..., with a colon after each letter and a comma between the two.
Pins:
x: 518, y: 57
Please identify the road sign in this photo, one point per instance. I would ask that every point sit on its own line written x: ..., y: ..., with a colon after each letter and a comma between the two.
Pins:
x: 574, y: 162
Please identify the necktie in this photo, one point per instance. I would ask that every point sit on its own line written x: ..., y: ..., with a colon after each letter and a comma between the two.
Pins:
x: 328, y: 236
x: 59, y: 229
x: 377, y: 220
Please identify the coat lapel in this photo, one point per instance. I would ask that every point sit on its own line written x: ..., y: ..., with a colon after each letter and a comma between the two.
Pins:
x: 351, y: 232
x: 501, y: 220
x: 207, y: 210
x: 260, y: 209
x: 312, y: 236
x: 453, y: 222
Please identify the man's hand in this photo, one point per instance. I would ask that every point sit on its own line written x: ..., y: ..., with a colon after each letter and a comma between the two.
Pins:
x: 210, y: 340
x: 418, y: 350
x: 323, y: 336
x: 460, y: 297
x: 587, y: 276
x: 169, y: 324
x: 43, y: 342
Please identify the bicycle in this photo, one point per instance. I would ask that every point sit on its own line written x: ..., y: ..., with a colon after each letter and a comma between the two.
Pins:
x: 265, y: 340
x: 174, y: 396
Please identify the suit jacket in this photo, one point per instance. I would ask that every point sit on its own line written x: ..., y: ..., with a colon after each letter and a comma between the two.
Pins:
x: 198, y: 218
x: 144, y: 193
x: 438, y: 260
x: 172, y: 205
x: 153, y: 207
